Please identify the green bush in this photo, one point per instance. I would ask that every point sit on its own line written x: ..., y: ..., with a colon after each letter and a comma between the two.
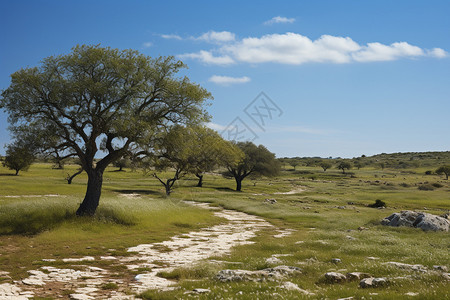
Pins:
x: 426, y: 187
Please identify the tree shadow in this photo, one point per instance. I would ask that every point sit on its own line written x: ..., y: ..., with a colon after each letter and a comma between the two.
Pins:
x: 225, y: 189
x: 7, y: 174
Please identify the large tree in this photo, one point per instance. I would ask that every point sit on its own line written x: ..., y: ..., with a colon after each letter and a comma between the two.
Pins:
x: 98, y: 102
x: 257, y: 161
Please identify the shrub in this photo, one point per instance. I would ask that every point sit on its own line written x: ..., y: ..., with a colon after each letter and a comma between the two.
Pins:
x: 429, y: 172
x: 404, y: 184
x: 426, y: 187
x: 378, y: 203
x: 437, y: 185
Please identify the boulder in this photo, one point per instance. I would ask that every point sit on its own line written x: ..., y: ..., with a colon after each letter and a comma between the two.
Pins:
x: 373, y: 282
x: 424, y: 221
x: 334, y: 277
x: 356, y: 276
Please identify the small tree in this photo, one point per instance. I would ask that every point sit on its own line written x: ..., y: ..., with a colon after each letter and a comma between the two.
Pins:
x: 444, y: 170
x: 294, y: 162
x: 18, y: 157
x: 344, y: 165
x: 325, y: 165
x: 257, y: 160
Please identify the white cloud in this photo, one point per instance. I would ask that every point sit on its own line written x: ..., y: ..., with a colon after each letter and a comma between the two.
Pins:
x: 226, y: 80
x: 295, y: 49
x: 380, y: 52
x: 437, y: 52
x: 215, y: 126
x: 147, y: 44
x: 217, y: 37
x: 208, y: 58
x: 171, y: 37
x: 279, y: 19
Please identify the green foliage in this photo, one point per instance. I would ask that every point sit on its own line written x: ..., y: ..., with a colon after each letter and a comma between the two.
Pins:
x: 18, y: 158
x: 325, y: 165
x: 97, y: 98
x: 378, y: 203
x: 257, y: 161
x: 444, y: 170
x: 344, y: 165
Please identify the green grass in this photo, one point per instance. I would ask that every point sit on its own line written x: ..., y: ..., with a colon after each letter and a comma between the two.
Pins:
x: 34, y: 225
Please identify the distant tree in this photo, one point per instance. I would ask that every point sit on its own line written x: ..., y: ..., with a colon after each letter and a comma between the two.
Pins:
x: 325, y: 165
x: 100, y: 99
x: 122, y: 163
x: 359, y: 164
x: 344, y: 165
x: 257, y: 160
x: 18, y: 157
x: 444, y: 170
x: 382, y: 165
x: 192, y: 149
x: 294, y: 162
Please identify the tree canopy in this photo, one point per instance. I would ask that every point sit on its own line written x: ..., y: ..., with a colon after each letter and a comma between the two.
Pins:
x: 18, y: 157
x: 257, y: 160
x: 99, y: 101
x: 444, y: 170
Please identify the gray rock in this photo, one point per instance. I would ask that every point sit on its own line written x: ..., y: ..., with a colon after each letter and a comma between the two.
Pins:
x: 270, y: 201
x: 201, y: 291
x: 336, y: 260
x: 290, y: 286
x: 334, y: 277
x: 269, y: 274
x: 424, y: 221
x: 440, y: 268
x: 419, y: 268
x: 373, y: 282
x: 357, y: 276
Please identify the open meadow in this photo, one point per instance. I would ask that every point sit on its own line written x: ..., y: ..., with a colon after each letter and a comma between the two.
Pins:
x: 320, y: 221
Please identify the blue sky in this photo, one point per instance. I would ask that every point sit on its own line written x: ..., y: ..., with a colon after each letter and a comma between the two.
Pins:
x: 344, y: 78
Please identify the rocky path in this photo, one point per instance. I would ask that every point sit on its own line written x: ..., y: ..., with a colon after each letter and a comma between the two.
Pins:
x: 90, y: 282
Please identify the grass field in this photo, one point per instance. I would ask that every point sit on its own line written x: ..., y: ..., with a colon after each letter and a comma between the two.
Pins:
x: 37, y: 220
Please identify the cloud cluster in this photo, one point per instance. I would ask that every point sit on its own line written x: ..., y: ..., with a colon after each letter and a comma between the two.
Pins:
x: 226, y: 80
x: 295, y: 49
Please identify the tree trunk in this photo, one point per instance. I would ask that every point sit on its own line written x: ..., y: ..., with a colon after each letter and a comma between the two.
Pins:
x: 17, y: 172
x: 93, y: 192
x: 238, y: 183
x: 200, y: 180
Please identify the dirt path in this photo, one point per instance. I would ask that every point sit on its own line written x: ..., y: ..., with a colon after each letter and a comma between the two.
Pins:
x: 89, y: 282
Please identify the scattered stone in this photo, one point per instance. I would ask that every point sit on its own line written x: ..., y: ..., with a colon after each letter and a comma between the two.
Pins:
x: 440, y: 268
x: 81, y: 297
x: 299, y: 242
x: 361, y: 228
x: 419, y: 268
x: 373, y: 282
x: 283, y: 233
x: 86, y: 258
x: 334, y: 277
x: 412, y: 294
x: 348, y: 298
x: 48, y: 259
x: 372, y: 258
x: 290, y: 286
x: 341, y: 207
x: 424, y: 221
x: 270, y: 201
x: 201, y: 291
x: 349, y: 237
x: 269, y: 274
x: 336, y: 260
x: 273, y: 260
x: 356, y: 276
x: 33, y: 281
x: 446, y: 276
x: 10, y: 291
